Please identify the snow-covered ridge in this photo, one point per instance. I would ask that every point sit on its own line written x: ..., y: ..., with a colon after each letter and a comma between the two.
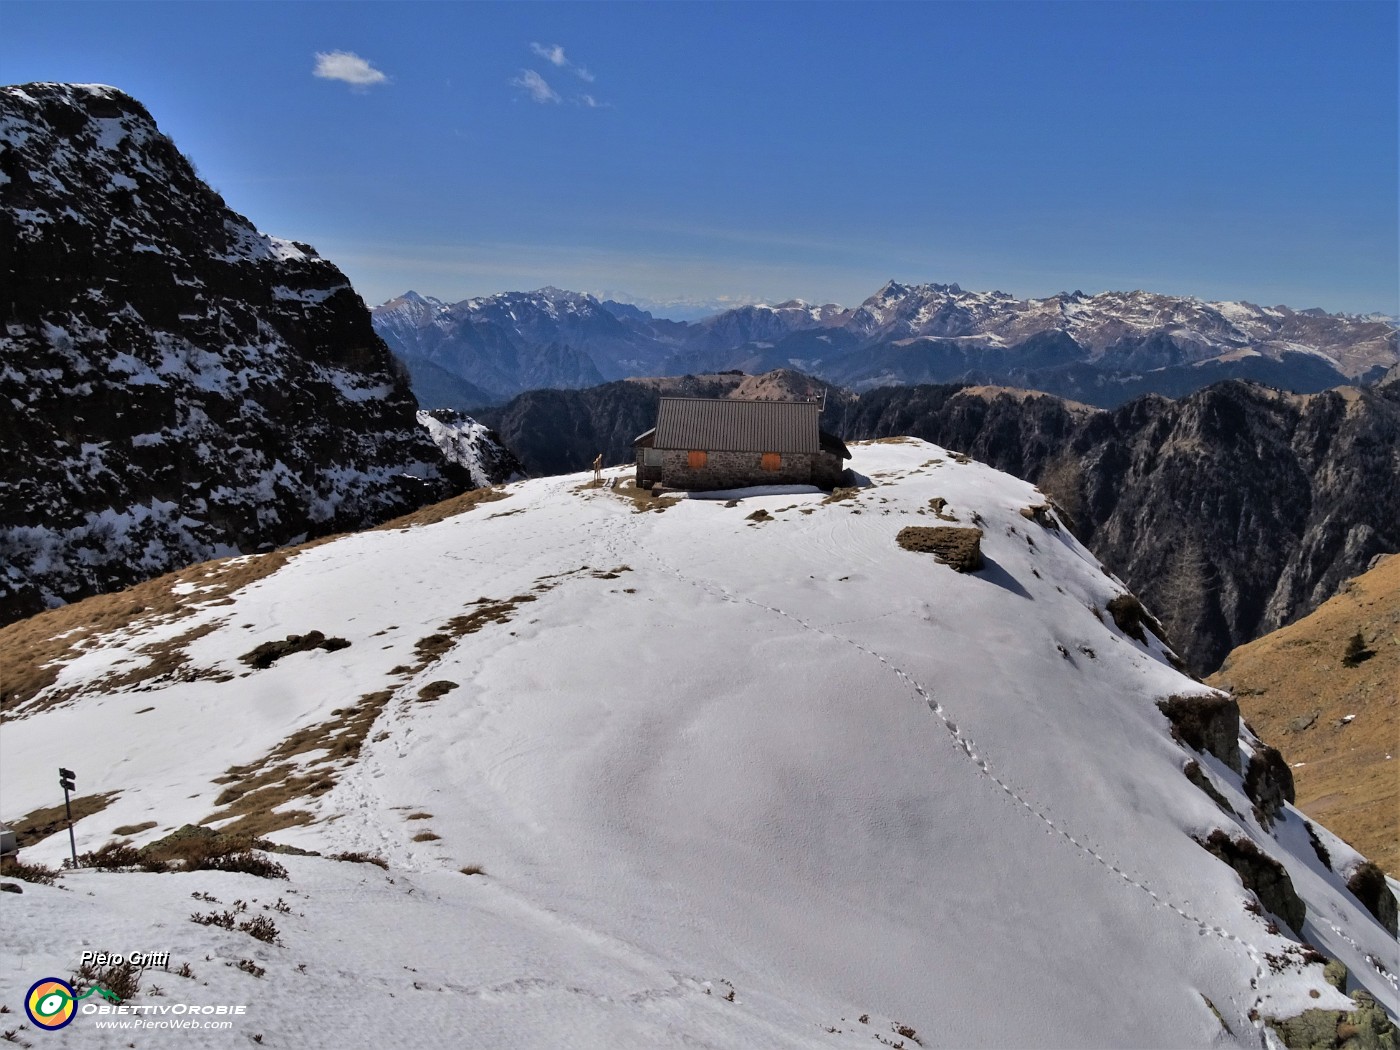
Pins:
x: 696, y: 751
x: 1101, y: 322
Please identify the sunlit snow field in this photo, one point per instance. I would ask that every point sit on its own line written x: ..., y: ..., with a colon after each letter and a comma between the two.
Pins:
x: 730, y: 783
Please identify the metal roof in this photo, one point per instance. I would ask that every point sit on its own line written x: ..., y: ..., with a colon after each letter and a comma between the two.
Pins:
x: 728, y: 425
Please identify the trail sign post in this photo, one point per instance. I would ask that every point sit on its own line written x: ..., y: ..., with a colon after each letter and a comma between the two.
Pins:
x: 67, y: 781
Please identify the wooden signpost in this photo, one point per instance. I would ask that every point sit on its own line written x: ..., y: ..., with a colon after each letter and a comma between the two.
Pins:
x: 66, y: 780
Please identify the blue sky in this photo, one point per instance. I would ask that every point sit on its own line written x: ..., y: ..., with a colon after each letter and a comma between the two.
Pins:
x: 731, y: 152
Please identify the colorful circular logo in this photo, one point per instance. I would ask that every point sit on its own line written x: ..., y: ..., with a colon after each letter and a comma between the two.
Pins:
x: 49, y: 1003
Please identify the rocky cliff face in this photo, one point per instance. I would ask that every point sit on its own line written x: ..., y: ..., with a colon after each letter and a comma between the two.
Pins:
x: 1231, y: 512
x: 178, y: 386
x: 472, y: 446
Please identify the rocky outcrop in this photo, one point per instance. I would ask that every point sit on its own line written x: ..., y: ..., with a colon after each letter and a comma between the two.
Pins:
x: 1367, y: 1027
x: 472, y: 446
x: 1268, y: 782
x: 1207, y: 722
x: 1367, y: 884
x: 178, y: 386
x: 958, y: 548
x: 1260, y: 873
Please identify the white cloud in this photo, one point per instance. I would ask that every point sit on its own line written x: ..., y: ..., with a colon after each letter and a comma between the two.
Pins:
x: 348, y: 67
x: 554, y: 53
x: 535, y: 86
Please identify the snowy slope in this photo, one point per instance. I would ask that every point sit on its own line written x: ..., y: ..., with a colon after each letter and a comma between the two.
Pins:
x: 695, y: 753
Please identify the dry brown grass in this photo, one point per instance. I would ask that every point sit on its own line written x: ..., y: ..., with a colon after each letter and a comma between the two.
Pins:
x: 39, y: 824
x: 256, y: 790
x: 426, y: 836
x: 641, y: 499
x: 839, y: 494
x: 448, y: 508
x: 33, y: 650
x: 134, y: 829
x: 1346, y: 781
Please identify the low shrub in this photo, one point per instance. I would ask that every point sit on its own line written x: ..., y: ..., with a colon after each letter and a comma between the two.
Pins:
x: 249, y: 863
x: 17, y: 869
x: 361, y: 858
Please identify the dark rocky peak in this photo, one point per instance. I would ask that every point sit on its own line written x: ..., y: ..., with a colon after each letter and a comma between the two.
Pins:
x: 182, y: 386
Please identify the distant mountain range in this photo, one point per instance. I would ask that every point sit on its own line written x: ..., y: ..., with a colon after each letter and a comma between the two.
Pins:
x: 1101, y: 349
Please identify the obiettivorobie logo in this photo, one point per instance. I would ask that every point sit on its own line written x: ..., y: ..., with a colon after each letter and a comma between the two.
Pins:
x: 52, y: 1004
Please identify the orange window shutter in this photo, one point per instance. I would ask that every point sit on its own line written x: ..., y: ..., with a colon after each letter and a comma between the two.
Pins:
x: 698, y: 460
x: 772, y: 461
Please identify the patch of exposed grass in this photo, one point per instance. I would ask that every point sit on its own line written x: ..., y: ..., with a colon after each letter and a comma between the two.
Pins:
x: 448, y: 508
x: 256, y: 791
x: 419, y: 816
x: 32, y: 651
x: 642, y: 499
x: 197, y: 848
x: 134, y: 829
x: 431, y: 648
x: 759, y: 516
x: 839, y: 494
x: 472, y: 869
x: 426, y: 836
x: 39, y: 824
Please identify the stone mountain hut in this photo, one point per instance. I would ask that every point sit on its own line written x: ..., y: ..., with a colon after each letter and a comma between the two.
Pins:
x: 721, y: 443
